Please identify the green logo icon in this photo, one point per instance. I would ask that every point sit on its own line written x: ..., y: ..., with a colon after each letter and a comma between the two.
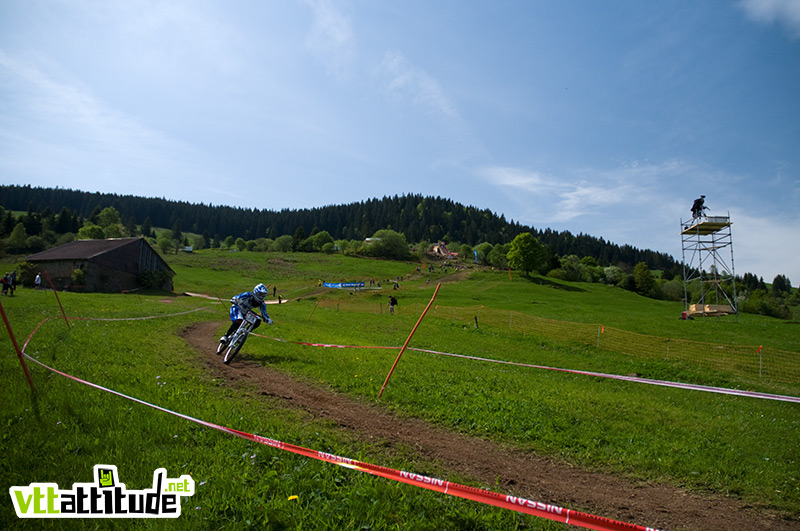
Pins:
x: 105, y: 477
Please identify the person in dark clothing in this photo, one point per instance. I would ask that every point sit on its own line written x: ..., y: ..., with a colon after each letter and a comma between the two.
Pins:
x: 392, y: 304
x: 698, y: 207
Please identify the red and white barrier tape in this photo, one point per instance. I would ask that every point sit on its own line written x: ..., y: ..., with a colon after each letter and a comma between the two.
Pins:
x: 635, y: 379
x: 514, y: 503
x: 110, y: 319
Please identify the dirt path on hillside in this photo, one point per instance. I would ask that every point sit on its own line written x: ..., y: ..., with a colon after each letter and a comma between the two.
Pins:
x: 505, y: 470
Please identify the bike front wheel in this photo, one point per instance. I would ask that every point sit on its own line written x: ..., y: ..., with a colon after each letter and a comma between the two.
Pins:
x: 233, y: 348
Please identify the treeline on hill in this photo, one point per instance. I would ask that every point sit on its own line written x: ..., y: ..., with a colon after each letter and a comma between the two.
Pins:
x: 54, y: 216
x: 418, y: 218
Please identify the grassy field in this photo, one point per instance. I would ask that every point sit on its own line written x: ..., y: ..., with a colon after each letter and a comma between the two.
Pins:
x: 740, y: 447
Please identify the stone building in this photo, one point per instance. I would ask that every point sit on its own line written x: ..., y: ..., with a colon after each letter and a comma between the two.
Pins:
x: 112, y: 265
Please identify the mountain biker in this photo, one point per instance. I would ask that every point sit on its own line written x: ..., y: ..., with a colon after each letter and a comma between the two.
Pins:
x: 241, y: 304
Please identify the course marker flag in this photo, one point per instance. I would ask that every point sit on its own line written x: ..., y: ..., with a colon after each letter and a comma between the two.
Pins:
x: 20, y: 353
x: 409, y: 339
x: 55, y: 292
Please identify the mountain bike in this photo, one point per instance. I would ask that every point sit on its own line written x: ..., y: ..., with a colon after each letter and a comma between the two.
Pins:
x: 230, y: 349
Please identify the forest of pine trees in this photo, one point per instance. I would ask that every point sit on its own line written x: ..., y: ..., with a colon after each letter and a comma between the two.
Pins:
x: 419, y: 218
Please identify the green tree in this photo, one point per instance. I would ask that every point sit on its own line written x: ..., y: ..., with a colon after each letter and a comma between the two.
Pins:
x: 315, y: 242
x: 108, y: 216
x: 130, y: 227
x: 612, y: 275
x: 388, y: 244
x: 35, y: 244
x: 241, y: 244
x: 781, y: 286
x: 63, y: 221
x: 166, y: 244
x: 644, y: 279
x: 90, y: 231
x: 177, y: 235
x: 497, y: 256
x: 283, y: 244
x: 229, y: 240
x: 78, y: 278
x: 9, y: 222
x: 18, y: 239
x: 571, y: 268
x: 483, y: 251
x: 343, y: 246
x: 94, y: 217
x: 147, y: 228
x: 297, y: 239
x: 113, y: 231
x: 525, y: 253
x: 263, y: 245
x: 65, y: 238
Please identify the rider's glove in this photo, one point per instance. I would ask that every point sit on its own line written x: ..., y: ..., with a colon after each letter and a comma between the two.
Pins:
x: 268, y: 321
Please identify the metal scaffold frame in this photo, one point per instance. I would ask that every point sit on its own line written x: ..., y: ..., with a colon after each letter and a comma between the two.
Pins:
x: 704, y: 240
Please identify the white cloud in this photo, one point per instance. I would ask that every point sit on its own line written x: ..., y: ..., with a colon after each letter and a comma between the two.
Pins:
x: 786, y: 12
x: 562, y: 198
x: 68, y: 131
x: 766, y: 245
x: 331, y: 37
x: 518, y: 178
x: 69, y: 105
x: 171, y: 38
x: 641, y: 204
x: 406, y: 82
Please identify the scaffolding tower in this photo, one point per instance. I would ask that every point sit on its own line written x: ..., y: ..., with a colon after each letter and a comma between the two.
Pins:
x: 704, y: 240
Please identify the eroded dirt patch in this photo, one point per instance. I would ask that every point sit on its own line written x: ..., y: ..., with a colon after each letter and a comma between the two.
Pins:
x: 518, y: 473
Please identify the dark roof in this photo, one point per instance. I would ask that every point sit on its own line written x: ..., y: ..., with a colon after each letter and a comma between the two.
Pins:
x: 80, y: 249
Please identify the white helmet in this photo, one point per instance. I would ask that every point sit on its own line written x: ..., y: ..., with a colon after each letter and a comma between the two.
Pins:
x: 260, y: 292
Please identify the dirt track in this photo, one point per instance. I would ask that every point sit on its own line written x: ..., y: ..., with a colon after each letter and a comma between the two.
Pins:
x: 518, y: 473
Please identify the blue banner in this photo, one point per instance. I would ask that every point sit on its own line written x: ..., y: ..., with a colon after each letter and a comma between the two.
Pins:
x: 341, y: 285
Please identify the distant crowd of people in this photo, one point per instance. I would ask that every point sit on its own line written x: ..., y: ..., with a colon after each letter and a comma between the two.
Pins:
x: 10, y: 282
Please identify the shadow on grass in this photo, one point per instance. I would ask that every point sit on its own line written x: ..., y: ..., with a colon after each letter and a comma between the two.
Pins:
x: 277, y: 359
x: 543, y: 281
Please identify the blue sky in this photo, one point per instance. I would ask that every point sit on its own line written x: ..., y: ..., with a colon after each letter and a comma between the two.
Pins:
x: 606, y: 118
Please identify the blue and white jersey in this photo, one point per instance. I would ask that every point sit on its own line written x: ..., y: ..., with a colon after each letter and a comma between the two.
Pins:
x: 247, y: 301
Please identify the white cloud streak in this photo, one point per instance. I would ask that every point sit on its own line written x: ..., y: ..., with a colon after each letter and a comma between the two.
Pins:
x: 766, y: 245
x: 408, y: 83
x: 641, y: 205
x: 562, y: 199
x: 331, y: 38
x: 786, y: 12
x: 77, y: 133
